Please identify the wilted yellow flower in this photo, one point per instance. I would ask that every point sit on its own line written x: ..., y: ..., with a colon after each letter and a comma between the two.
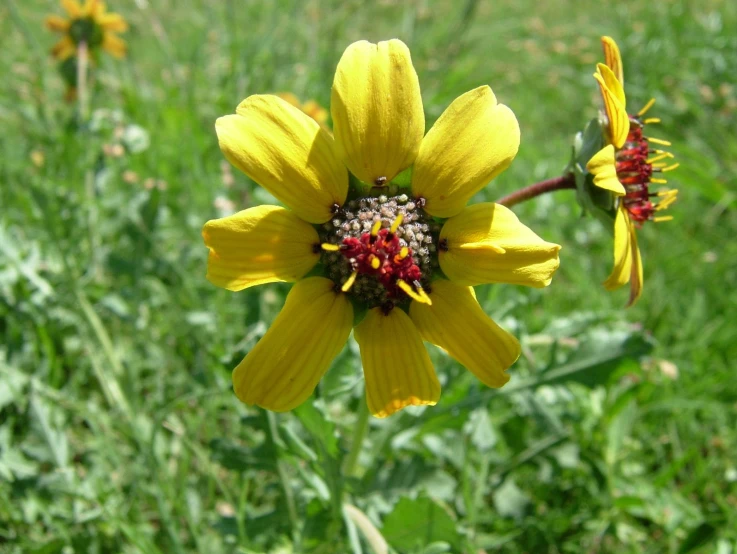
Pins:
x: 311, y: 107
x: 398, y: 255
x: 625, y: 167
x: 88, y: 23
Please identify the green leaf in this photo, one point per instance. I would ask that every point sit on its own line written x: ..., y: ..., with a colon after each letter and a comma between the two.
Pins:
x: 510, y: 500
x: 417, y: 523
x: 234, y: 456
x: 321, y: 428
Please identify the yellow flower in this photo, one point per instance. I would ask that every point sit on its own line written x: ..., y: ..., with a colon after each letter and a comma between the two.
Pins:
x: 311, y: 107
x: 88, y: 23
x: 625, y: 168
x: 396, y: 256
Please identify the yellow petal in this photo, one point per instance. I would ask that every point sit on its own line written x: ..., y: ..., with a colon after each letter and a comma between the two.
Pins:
x: 113, y: 22
x: 57, y: 23
x: 473, y: 141
x: 376, y: 106
x: 486, y: 243
x: 456, y: 323
x: 614, y: 103
x: 64, y: 49
x: 285, y: 366
x: 287, y: 153
x: 72, y: 7
x: 398, y: 370
x: 603, y: 166
x: 613, y: 58
x: 636, y: 277
x: 114, y: 45
x: 260, y: 245
x: 93, y: 8
x: 622, y: 251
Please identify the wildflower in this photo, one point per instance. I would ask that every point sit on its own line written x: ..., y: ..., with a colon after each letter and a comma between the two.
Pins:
x: 391, y: 255
x: 311, y: 107
x: 626, y: 167
x: 87, y: 23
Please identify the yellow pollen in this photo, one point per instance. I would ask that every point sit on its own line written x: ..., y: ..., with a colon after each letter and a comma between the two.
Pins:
x: 650, y: 120
x: 375, y: 228
x: 658, y: 141
x: 646, y: 107
x: 658, y: 181
x: 403, y: 253
x: 349, y: 283
x: 422, y: 297
x: 662, y: 218
x: 670, y: 167
x: 396, y: 224
x: 375, y: 262
x: 330, y: 247
x: 661, y: 156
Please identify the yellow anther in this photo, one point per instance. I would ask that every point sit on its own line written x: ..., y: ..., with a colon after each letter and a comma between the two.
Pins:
x: 403, y: 253
x: 670, y: 167
x: 396, y: 224
x: 661, y: 156
x: 375, y: 262
x: 330, y: 247
x: 651, y: 120
x: 423, y: 298
x: 375, y: 228
x: 349, y: 283
x: 665, y: 203
x: 662, y: 218
x: 646, y: 107
x: 658, y: 141
x: 669, y: 192
x: 658, y: 181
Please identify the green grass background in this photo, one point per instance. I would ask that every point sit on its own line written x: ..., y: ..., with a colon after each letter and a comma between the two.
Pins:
x: 118, y: 428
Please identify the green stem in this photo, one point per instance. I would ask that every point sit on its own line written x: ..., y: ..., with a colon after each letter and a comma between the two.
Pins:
x: 567, y: 181
x: 359, y: 434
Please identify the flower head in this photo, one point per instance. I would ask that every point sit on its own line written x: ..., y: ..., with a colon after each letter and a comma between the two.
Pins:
x: 87, y: 23
x: 626, y: 167
x: 392, y: 251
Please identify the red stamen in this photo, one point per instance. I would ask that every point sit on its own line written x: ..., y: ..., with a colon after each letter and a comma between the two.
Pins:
x: 384, y: 247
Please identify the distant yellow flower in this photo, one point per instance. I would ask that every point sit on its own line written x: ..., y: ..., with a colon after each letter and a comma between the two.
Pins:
x: 311, y: 107
x: 88, y: 23
x: 397, y: 256
x: 625, y: 167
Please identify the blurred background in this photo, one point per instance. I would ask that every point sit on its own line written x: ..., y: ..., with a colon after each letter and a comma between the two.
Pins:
x: 119, y: 431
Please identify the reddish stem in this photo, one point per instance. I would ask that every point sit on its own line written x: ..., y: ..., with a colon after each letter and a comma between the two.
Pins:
x: 567, y: 181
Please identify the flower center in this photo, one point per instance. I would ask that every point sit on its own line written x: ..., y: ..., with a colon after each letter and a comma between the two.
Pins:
x: 381, y: 250
x: 86, y: 30
x: 637, y: 161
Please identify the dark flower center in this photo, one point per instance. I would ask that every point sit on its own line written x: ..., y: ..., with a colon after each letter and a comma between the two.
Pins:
x: 381, y: 250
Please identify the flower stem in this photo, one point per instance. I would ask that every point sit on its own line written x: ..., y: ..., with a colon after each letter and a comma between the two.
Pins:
x: 359, y: 433
x: 82, y: 92
x: 567, y: 181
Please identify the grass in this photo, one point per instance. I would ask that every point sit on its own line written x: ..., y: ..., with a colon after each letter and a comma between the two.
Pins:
x: 119, y: 431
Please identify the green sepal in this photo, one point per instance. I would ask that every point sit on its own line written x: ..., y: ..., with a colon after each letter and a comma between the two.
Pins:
x: 593, y: 200
x: 397, y: 186
x: 359, y: 311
